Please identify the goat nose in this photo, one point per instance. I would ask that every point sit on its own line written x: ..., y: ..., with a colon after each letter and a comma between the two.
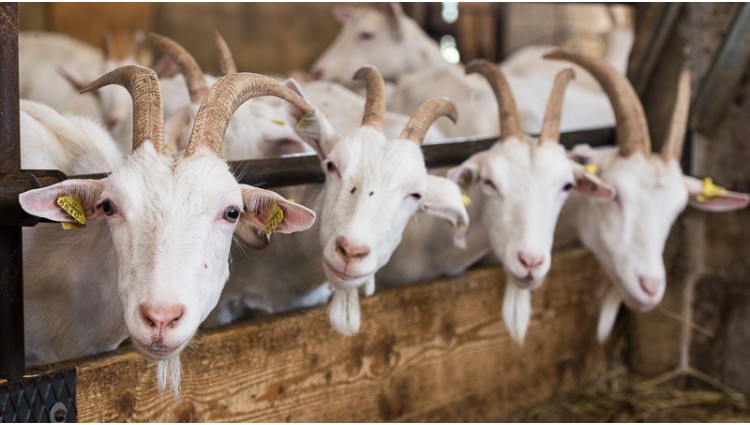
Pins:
x: 530, y: 261
x: 649, y: 285
x: 161, y: 316
x: 350, y: 252
x: 317, y: 74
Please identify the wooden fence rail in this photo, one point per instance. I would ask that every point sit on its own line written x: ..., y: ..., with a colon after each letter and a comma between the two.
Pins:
x: 436, y: 351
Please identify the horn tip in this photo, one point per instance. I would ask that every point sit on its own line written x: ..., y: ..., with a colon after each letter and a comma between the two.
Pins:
x: 475, y: 65
x: 364, y: 71
x: 556, y: 54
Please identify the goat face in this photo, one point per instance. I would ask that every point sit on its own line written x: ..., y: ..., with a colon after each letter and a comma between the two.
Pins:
x: 628, y: 234
x: 382, y: 38
x: 525, y: 184
x: 373, y: 187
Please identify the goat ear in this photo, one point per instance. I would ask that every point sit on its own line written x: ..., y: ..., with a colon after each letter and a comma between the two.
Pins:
x: 393, y: 13
x: 591, y: 185
x: 251, y: 236
x: 313, y: 129
x: 444, y: 200
x: 175, y: 136
x: 258, y: 203
x: 581, y: 154
x: 43, y: 202
x: 717, y: 202
x: 468, y: 172
x: 166, y: 67
x: 342, y: 14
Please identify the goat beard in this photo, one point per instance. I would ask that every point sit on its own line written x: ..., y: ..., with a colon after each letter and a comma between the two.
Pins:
x: 169, y: 371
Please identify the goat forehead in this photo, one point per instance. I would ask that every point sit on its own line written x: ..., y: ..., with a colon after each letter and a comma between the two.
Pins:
x: 371, y: 160
x: 528, y: 163
x: 184, y: 185
x: 646, y: 175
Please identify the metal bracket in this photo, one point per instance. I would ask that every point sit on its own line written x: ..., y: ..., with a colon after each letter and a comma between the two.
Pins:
x: 44, y: 398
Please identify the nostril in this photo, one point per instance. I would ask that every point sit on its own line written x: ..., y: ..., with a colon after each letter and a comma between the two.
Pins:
x: 317, y: 74
x: 341, y: 247
x: 349, y: 252
x: 159, y: 316
x: 530, y: 261
x: 649, y: 285
x: 360, y: 251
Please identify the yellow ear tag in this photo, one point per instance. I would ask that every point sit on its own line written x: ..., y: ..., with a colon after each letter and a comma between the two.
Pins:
x: 304, y: 121
x: 275, y: 217
x: 591, y: 168
x: 72, y: 205
x: 465, y: 199
x: 168, y: 147
x: 278, y: 121
x: 710, y: 190
x: 291, y: 200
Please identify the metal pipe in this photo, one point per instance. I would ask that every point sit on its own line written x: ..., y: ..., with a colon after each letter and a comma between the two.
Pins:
x: 11, y: 261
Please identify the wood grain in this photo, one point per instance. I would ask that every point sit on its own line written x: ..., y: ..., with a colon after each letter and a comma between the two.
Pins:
x: 437, y: 351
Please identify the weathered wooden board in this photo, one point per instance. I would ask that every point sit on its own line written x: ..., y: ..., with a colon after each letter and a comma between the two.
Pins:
x: 436, y: 351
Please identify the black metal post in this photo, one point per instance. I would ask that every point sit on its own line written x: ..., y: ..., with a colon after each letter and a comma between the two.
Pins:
x: 11, y: 264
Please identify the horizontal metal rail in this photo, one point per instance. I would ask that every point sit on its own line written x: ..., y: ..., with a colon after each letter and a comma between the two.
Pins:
x: 275, y: 172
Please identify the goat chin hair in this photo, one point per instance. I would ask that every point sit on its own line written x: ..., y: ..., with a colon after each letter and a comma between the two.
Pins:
x: 344, y: 311
x: 516, y: 311
x: 169, y: 371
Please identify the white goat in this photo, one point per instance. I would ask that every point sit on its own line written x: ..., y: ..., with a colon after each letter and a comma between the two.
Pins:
x: 516, y: 190
x: 383, y: 37
x: 259, y: 128
x: 154, y: 269
x: 392, y: 41
x: 373, y: 186
x: 52, y: 67
x: 628, y: 234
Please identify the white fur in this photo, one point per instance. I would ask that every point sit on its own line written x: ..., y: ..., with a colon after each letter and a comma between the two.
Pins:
x: 367, y: 199
x: 628, y: 235
x: 167, y: 243
x: 42, y: 57
x: 397, y: 44
x: 516, y: 213
x: 406, y: 55
x: 516, y: 311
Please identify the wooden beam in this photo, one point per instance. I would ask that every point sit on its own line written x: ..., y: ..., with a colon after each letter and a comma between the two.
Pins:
x: 719, y: 86
x: 430, y: 352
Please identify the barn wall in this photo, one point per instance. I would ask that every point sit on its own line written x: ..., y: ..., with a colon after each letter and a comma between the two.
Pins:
x: 707, y: 253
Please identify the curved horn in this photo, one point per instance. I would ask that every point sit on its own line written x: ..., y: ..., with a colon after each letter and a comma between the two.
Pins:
x: 551, y: 123
x: 224, y: 97
x: 143, y: 86
x: 510, y: 122
x: 226, y: 60
x: 672, y: 147
x: 632, y: 129
x: 375, y: 104
x: 193, y: 73
x: 425, y: 115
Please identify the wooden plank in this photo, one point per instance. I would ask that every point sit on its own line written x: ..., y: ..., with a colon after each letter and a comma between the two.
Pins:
x: 437, y: 351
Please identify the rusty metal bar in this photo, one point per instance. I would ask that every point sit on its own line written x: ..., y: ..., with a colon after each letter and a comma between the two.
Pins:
x: 11, y: 262
x: 303, y: 169
x: 276, y: 172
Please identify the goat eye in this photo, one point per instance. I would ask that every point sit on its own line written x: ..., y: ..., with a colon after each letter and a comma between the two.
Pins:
x: 231, y: 214
x: 366, y: 35
x: 567, y: 187
x: 490, y: 184
x: 416, y: 196
x: 108, y: 207
x: 330, y: 166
